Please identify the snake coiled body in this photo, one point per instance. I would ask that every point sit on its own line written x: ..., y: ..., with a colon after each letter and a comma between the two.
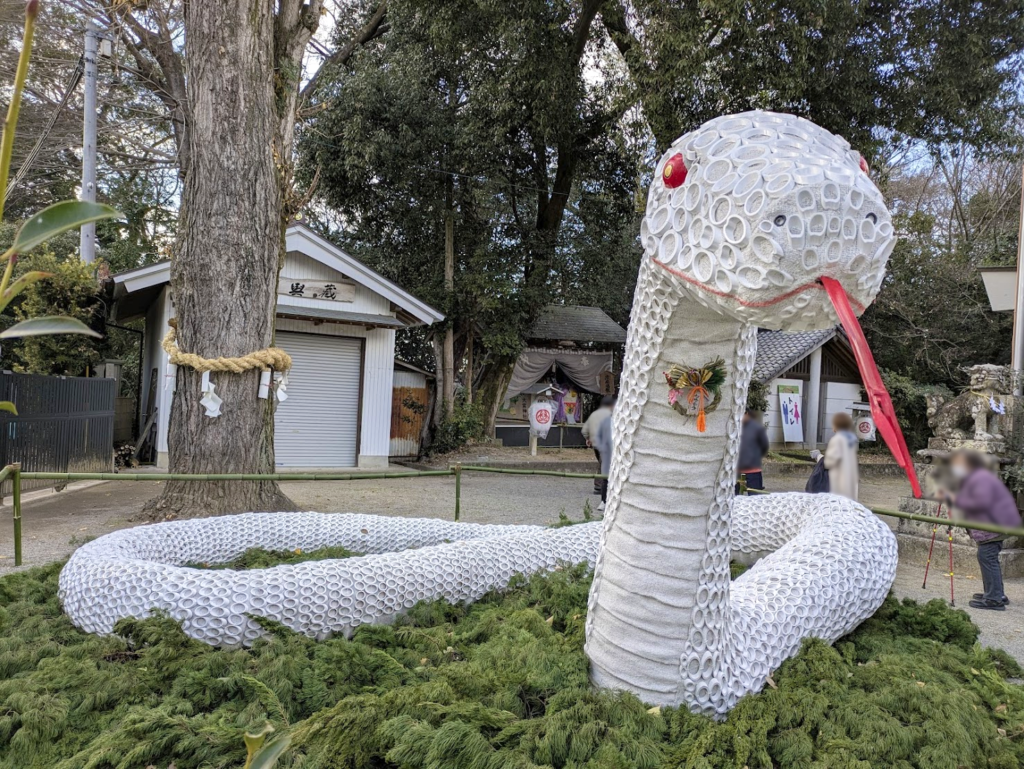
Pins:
x: 771, y: 204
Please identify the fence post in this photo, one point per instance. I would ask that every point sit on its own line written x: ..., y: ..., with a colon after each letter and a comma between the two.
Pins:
x: 458, y: 490
x: 16, y: 499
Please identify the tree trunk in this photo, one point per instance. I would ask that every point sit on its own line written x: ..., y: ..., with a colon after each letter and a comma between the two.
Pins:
x: 225, y: 269
x: 491, y: 392
x: 448, y: 355
x: 437, y: 345
x: 469, y: 366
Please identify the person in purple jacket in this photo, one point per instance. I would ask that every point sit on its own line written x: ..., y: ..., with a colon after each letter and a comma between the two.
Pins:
x: 982, y: 497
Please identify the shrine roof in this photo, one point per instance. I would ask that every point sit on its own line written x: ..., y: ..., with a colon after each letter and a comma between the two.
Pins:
x: 777, y: 351
x: 575, y: 323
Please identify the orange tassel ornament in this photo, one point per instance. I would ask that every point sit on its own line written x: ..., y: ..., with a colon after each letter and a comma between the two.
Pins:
x: 696, y: 391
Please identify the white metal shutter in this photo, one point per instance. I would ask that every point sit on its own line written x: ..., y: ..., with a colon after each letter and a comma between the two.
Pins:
x: 317, y: 426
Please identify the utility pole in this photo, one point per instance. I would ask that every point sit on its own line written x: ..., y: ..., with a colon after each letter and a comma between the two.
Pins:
x: 1017, y: 359
x: 813, y: 401
x: 88, y: 234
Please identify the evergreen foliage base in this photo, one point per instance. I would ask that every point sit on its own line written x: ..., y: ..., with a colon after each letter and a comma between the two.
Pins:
x: 502, y: 683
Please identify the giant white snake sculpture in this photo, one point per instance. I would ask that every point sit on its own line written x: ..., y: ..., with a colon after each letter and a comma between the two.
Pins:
x: 754, y: 220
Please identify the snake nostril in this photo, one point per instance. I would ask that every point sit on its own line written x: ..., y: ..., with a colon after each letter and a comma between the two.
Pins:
x: 872, y: 217
x: 780, y: 220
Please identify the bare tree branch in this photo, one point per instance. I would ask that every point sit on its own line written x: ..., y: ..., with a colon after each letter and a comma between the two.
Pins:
x: 373, y: 28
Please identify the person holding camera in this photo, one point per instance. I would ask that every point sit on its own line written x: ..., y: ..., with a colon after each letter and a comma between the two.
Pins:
x: 983, y: 497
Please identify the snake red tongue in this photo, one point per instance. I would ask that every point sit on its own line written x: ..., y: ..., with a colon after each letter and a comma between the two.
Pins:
x: 881, y: 404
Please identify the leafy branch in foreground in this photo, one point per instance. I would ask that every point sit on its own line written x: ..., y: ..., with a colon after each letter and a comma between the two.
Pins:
x: 47, y: 224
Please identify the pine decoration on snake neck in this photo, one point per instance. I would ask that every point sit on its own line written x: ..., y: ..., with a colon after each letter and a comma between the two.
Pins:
x: 696, y: 391
x: 754, y: 220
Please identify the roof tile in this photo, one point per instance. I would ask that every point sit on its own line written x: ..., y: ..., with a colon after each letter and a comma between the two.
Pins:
x: 778, y: 350
x: 577, y: 324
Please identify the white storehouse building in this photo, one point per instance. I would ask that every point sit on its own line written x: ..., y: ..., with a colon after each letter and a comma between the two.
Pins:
x: 819, y: 370
x: 337, y: 319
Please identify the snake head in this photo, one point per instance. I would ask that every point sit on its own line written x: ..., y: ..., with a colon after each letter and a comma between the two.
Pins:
x: 775, y: 222
x: 750, y: 211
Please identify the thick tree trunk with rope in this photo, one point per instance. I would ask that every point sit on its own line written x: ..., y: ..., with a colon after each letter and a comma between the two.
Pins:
x: 233, y: 99
x: 225, y: 268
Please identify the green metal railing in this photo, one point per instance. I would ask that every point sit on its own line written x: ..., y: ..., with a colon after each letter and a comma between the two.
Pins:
x: 15, y: 475
x: 933, y: 519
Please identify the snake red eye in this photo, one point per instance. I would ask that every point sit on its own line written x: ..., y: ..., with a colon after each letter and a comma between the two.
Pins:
x: 674, y: 172
x: 864, y: 166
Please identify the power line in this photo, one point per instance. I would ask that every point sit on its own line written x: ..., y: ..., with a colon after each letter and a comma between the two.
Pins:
x: 76, y: 76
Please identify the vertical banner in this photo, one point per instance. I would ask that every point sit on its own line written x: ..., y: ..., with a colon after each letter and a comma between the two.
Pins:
x: 791, y: 410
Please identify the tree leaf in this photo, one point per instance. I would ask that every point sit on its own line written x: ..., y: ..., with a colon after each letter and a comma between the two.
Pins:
x: 24, y: 282
x: 254, y: 741
x: 8, y: 406
x: 50, y: 324
x: 55, y: 219
x: 269, y: 754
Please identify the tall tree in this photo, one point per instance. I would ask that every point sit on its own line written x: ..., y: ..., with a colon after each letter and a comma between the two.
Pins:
x: 229, y: 76
x: 224, y: 273
x: 542, y: 99
x: 954, y: 213
x: 869, y: 71
x: 486, y: 116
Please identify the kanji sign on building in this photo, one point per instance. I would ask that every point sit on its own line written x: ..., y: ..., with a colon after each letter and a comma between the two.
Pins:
x: 607, y: 382
x: 331, y: 291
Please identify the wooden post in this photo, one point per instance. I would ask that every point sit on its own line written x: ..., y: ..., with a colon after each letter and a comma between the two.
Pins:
x: 533, y: 445
x: 458, y: 490
x: 813, y: 402
x: 16, y: 493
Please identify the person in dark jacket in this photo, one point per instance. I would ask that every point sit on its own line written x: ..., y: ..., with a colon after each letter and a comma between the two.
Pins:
x: 982, y: 497
x: 753, y: 447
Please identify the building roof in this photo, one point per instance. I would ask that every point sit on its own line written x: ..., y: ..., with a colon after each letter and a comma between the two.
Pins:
x: 575, y: 323
x: 301, y: 239
x: 777, y: 351
x: 338, y: 316
x: 407, y: 366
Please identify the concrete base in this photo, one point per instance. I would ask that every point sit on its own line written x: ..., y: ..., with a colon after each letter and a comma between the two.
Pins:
x: 914, y: 540
x: 372, y: 462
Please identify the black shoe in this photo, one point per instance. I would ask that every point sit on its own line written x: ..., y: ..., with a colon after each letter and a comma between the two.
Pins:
x: 981, y: 597
x: 986, y: 605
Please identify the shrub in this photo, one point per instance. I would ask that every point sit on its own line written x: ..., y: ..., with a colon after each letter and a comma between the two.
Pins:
x: 71, y: 291
x: 757, y: 396
x: 500, y: 683
x: 908, y: 399
x: 455, y: 430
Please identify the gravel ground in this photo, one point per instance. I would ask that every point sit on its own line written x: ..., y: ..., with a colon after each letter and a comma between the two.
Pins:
x: 55, y: 525
x: 491, y: 454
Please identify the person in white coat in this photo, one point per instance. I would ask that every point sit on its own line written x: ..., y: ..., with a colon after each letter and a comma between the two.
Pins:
x: 841, y: 458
